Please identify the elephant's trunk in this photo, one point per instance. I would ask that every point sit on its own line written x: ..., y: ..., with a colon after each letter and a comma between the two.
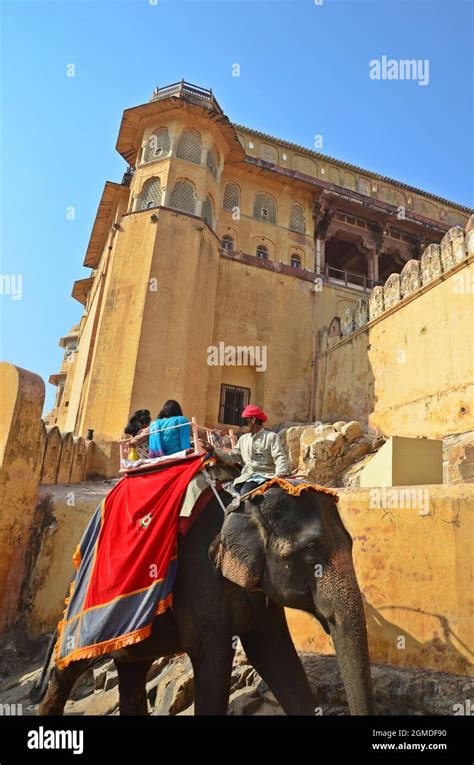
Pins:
x: 339, y: 600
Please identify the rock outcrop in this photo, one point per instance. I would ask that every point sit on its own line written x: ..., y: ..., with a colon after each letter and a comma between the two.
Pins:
x: 324, y: 451
x: 458, y: 458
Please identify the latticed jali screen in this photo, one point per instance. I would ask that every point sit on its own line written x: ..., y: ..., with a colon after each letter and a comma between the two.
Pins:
x: 231, y: 196
x: 151, y: 195
x: 189, y: 146
x: 265, y: 208
x: 182, y: 197
x: 157, y: 146
x: 297, y: 220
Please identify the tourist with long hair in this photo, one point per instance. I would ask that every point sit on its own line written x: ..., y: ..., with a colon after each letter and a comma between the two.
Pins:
x: 169, y: 433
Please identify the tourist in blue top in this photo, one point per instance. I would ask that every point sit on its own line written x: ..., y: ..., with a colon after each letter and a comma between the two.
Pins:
x: 164, y: 437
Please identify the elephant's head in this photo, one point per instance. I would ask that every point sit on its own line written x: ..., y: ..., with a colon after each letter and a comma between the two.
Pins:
x: 298, y: 551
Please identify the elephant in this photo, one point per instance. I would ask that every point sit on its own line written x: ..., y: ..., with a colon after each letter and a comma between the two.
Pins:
x: 236, y: 574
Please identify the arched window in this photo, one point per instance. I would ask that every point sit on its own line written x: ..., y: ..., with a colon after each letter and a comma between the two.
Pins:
x: 189, y: 146
x: 182, y: 197
x: 227, y: 243
x: 212, y: 161
x: 151, y: 195
x: 264, y: 208
x: 207, y: 212
x: 297, y: 221
x: 157, y: 146
x: 231, y: 196
x: 295, y: 260
x: 262, y: 252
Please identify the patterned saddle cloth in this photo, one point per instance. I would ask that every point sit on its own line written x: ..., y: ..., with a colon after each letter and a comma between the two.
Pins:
x: 290, y: 484
x: 294, y: 485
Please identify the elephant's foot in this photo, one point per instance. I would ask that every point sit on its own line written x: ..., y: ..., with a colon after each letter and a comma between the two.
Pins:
x: 60, y: 685
x: 132, y: 686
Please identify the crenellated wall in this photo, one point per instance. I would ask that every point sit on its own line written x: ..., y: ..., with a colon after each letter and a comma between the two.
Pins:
x: 400, y: 361
x: 68, y: 459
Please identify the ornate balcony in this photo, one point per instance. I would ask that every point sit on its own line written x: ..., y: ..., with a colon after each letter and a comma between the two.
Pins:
x: 192, y: 93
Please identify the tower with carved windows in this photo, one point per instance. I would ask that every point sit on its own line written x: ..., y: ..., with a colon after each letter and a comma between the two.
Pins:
x: 221, y: 237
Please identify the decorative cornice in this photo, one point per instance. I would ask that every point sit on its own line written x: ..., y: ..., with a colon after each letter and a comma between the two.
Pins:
x: 349, y: 166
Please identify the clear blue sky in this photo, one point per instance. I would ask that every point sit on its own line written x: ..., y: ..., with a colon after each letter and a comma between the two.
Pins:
x: 304, y: 71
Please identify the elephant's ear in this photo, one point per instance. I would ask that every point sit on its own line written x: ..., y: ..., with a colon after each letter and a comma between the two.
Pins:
x: 238, y: 552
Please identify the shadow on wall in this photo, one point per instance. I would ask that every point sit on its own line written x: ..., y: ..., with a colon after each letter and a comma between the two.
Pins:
x: 390, y: 643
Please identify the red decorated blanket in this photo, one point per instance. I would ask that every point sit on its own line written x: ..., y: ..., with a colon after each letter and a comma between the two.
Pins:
x: 126, y: 564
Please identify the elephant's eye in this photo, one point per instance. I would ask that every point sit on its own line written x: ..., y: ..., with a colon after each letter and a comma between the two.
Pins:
x: 311, y: 551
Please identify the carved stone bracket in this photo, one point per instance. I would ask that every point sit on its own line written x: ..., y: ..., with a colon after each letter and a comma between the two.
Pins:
x: 364, y: 246
x: 323, y: 212
x: 379, y: 230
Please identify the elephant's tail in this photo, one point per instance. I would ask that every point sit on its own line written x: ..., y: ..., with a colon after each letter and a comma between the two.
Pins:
x: 39, y: 688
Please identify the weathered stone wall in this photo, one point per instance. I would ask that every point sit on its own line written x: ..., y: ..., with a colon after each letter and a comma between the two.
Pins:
x: 59, y: 457
x: 31, y: 455
x: 404, y: 367
x: 69, y: 509
x: 413, y: 557
x: 71, y: 460
x: 21, y: 440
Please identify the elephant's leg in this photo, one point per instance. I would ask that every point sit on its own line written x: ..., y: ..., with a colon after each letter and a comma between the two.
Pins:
x: 269, y: 648
x: 60, y: 685
x: 132, y: 686
x: 212, y: 666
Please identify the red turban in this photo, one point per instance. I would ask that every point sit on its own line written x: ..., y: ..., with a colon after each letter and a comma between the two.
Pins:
x: 254, y: 411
